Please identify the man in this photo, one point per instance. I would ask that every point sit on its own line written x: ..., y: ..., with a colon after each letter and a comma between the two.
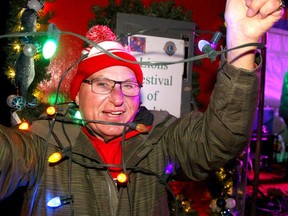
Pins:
x: 120, y: 136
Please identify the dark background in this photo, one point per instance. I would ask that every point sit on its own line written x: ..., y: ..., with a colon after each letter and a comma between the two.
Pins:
x: 6, y: 88
x: 14, y: 202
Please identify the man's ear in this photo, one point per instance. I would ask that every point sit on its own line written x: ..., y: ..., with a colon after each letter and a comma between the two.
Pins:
x: 77, y: 99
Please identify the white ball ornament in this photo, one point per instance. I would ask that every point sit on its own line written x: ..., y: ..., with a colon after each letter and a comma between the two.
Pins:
x: 29, y: 50
x: 230, y: 203
x: 34, y: 4
x: 9, y: 100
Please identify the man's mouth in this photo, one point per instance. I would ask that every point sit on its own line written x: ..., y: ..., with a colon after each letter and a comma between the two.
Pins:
x: 118, y: 113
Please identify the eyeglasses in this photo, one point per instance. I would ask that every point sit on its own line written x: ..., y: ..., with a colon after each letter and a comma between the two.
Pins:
x: 105, y: 86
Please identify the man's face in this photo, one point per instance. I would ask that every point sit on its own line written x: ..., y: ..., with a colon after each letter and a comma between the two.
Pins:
x: 112, y: 107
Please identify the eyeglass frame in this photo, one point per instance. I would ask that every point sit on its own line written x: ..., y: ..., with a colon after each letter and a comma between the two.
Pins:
x: 90, y: 82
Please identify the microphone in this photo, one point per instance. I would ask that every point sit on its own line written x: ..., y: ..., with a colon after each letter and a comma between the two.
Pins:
x: 209, y: 48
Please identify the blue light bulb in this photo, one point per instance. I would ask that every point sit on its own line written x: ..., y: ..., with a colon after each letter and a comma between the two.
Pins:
x: 54, y: 202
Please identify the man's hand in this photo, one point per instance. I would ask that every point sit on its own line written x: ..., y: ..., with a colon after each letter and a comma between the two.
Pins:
x: 247, y: 21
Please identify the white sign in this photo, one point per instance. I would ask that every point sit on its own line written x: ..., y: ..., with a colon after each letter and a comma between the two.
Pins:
x: 162, y: 86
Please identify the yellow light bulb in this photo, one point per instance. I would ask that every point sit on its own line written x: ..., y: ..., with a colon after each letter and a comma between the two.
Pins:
x: 23, y: 126
x: 122, y: 178
x: 51, y: 110
x: 55, y: 157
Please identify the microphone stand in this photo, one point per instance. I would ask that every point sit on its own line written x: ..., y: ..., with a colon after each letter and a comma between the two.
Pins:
x: 259, y: 130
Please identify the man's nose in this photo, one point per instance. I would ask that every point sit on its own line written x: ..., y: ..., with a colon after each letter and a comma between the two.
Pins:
x: 116, y: 95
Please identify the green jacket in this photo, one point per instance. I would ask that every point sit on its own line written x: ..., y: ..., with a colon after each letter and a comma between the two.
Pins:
x: 195, y: 144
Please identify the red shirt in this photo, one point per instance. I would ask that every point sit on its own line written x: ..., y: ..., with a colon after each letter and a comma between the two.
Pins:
x: 110, y: 152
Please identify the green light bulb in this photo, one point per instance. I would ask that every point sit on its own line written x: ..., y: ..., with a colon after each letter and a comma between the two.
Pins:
x: 49, y: 48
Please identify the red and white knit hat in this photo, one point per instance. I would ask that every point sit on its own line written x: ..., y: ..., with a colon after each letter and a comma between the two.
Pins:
x: 98, y: 60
